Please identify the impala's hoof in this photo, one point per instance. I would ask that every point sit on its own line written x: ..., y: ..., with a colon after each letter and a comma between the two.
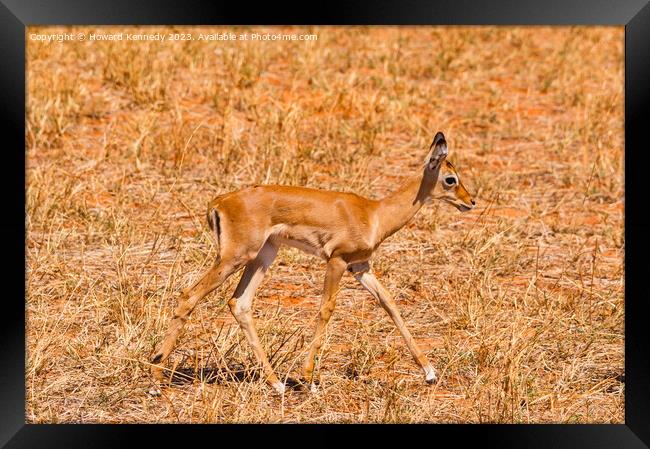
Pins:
x: 430, y: 377
x: 279, y: 388
x: 154, y: 391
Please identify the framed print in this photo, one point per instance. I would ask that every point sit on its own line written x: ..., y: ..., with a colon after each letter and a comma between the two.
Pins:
x: 429, y: 215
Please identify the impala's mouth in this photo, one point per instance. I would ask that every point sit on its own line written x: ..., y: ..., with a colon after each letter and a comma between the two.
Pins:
x: 460, y: 206
x: 463, y: 207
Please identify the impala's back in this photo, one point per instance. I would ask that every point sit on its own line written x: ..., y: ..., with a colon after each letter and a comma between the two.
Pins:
x: 319, y: 222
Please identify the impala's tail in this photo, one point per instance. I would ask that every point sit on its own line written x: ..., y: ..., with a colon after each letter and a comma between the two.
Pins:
x: 214, y: 221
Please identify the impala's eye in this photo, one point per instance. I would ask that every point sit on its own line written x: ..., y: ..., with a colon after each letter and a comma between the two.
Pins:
x: 450, y: 180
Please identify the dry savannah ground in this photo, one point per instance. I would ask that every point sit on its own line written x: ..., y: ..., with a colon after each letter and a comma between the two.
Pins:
x: 519, y: 303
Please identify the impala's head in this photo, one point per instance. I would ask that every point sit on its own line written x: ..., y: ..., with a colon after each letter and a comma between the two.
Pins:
x: 451, y: 190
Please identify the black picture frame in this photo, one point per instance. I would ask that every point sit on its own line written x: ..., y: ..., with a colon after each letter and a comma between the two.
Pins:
x: 15, y: 15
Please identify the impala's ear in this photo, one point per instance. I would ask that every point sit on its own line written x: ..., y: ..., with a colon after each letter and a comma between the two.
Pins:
x: 437, y: 152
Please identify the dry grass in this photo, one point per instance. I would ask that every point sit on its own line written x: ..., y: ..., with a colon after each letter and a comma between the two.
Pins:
x: 519, y: 304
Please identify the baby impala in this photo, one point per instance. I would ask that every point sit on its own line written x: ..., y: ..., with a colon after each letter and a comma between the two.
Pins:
x: 344, y: 229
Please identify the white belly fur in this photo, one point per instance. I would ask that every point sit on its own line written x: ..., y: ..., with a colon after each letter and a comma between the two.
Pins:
x: 282, y: 235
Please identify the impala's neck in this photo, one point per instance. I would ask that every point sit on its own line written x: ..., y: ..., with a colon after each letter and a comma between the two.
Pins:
x: 398, y: 208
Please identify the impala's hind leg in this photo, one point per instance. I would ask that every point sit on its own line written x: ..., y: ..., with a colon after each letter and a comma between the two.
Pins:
x: 242, y: 300
x: 212, y: 279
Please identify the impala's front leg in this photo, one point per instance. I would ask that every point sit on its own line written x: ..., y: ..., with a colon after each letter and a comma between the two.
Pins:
x: 335, y: 269
x: 370, y: 282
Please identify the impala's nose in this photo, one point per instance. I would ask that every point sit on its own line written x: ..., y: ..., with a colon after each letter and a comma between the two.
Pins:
x: 473, y: 203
